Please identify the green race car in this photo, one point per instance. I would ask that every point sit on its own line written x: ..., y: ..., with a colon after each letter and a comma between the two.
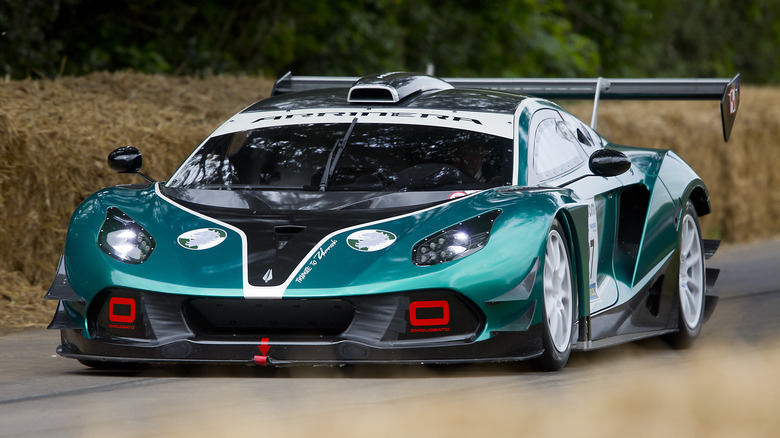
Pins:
x: 395, y: 218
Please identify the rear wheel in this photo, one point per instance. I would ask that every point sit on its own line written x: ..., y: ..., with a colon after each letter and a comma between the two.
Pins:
x: 559, y: 302
x: 691, y: 280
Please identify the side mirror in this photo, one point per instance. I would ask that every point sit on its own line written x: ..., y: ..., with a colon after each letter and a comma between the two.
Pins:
x: 127, y: 159
x: 609, y: 162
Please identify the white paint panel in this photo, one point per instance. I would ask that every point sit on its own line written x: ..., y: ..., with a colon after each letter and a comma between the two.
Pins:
x: 488, y: 123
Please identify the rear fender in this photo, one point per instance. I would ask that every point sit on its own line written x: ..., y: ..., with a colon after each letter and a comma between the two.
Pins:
x: 683, y: 183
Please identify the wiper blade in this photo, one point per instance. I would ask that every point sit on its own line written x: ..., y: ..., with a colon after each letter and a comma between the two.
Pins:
x: 338, y: 148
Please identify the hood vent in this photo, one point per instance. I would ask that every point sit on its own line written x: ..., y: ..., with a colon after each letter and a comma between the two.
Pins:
x: 393, y: 87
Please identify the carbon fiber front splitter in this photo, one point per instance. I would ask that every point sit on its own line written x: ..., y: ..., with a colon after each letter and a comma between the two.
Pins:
x: 502, y: 347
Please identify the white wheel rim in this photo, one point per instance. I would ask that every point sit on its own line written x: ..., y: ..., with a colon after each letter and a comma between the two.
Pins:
x: 558, y: 292
x: 691, y: 273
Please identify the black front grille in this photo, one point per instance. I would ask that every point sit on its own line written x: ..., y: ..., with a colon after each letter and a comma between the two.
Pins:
x: 409, y: 317
x: 240, y: 317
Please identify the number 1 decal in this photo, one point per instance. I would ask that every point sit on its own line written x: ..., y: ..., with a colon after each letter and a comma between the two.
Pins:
x: 593, y: 245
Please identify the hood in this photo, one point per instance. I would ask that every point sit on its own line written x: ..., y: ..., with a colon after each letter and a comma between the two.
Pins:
x: 282, y: 227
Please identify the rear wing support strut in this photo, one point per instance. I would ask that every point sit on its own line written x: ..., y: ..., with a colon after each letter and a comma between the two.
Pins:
x: 727, y: 91
x: 601, y: 84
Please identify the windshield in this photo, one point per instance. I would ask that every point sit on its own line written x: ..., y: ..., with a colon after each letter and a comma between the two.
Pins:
x: 373, y: 157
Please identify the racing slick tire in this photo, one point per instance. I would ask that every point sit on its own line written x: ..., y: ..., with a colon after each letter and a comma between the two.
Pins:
x: 691, y: 281
x: 558, y: 303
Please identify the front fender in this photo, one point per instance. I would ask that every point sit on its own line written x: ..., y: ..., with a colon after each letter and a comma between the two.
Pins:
x: 169, y: 269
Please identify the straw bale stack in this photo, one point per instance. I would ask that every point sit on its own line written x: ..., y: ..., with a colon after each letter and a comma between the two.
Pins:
x: 54, y: 140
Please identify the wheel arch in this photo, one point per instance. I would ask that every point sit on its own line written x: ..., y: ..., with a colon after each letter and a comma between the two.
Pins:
x: 683, y: 184
x: 574, y: 221
x: 700, y: 198
x: 553, y: 357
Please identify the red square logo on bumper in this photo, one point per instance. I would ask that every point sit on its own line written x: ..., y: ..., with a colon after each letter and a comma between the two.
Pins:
x: 427, y: 317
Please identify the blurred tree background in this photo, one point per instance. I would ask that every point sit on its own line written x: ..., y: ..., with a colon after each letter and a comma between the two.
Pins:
x: 552, y: 38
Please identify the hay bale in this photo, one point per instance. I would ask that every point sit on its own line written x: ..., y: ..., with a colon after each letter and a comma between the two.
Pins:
x: 55, y: 137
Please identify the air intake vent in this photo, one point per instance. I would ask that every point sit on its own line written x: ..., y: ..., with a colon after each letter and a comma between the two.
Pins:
x: 393, y: 87
x: 373, y: 93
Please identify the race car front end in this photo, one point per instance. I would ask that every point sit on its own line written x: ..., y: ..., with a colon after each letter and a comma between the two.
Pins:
x: 432, y: 326
x: 446, y: 280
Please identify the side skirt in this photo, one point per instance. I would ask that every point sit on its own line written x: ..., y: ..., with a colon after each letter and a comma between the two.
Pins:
x: 621, y: 318
x: 648, y: 313
x: 619, y: 339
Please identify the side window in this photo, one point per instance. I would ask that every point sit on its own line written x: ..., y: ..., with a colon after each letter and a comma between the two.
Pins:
x: 556, y: 148
x: 585, y: 135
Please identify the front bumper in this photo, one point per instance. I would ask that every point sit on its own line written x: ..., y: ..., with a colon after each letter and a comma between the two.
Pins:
x: 502, y: 348
x: 423, y: 326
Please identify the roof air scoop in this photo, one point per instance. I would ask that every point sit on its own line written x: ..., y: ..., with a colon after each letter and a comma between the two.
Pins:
x: 392, y: 87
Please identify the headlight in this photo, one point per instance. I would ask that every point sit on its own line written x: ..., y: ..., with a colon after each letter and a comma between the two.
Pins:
x: 455, y: 242
x: 124, y: 239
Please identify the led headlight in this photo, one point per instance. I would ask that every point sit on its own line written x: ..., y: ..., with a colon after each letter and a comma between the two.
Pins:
x: 455, y: 242
x: 124, y: 239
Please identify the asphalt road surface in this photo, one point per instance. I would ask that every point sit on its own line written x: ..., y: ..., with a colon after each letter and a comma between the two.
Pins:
x: 44, y: 395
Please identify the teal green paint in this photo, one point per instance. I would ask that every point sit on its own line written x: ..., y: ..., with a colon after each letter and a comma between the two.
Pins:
x: 522, y: 147
x: 644, y: 161
x: 669, y: 180
x: 679, y: 178
x: 171, y: 268
x: 660, y: 236
x: 518, y: 237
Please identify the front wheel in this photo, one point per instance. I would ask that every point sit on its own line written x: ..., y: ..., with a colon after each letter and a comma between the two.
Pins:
x: 559, y: 302
x: 691, y: 280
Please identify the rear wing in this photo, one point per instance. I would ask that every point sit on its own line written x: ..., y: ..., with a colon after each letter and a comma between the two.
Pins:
x: 726, y: 91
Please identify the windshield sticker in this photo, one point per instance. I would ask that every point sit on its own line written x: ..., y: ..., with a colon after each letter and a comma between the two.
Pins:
x: 370, y: 240
x: 492, y: 123
x: 203, y: 238
x: 369, y: 114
